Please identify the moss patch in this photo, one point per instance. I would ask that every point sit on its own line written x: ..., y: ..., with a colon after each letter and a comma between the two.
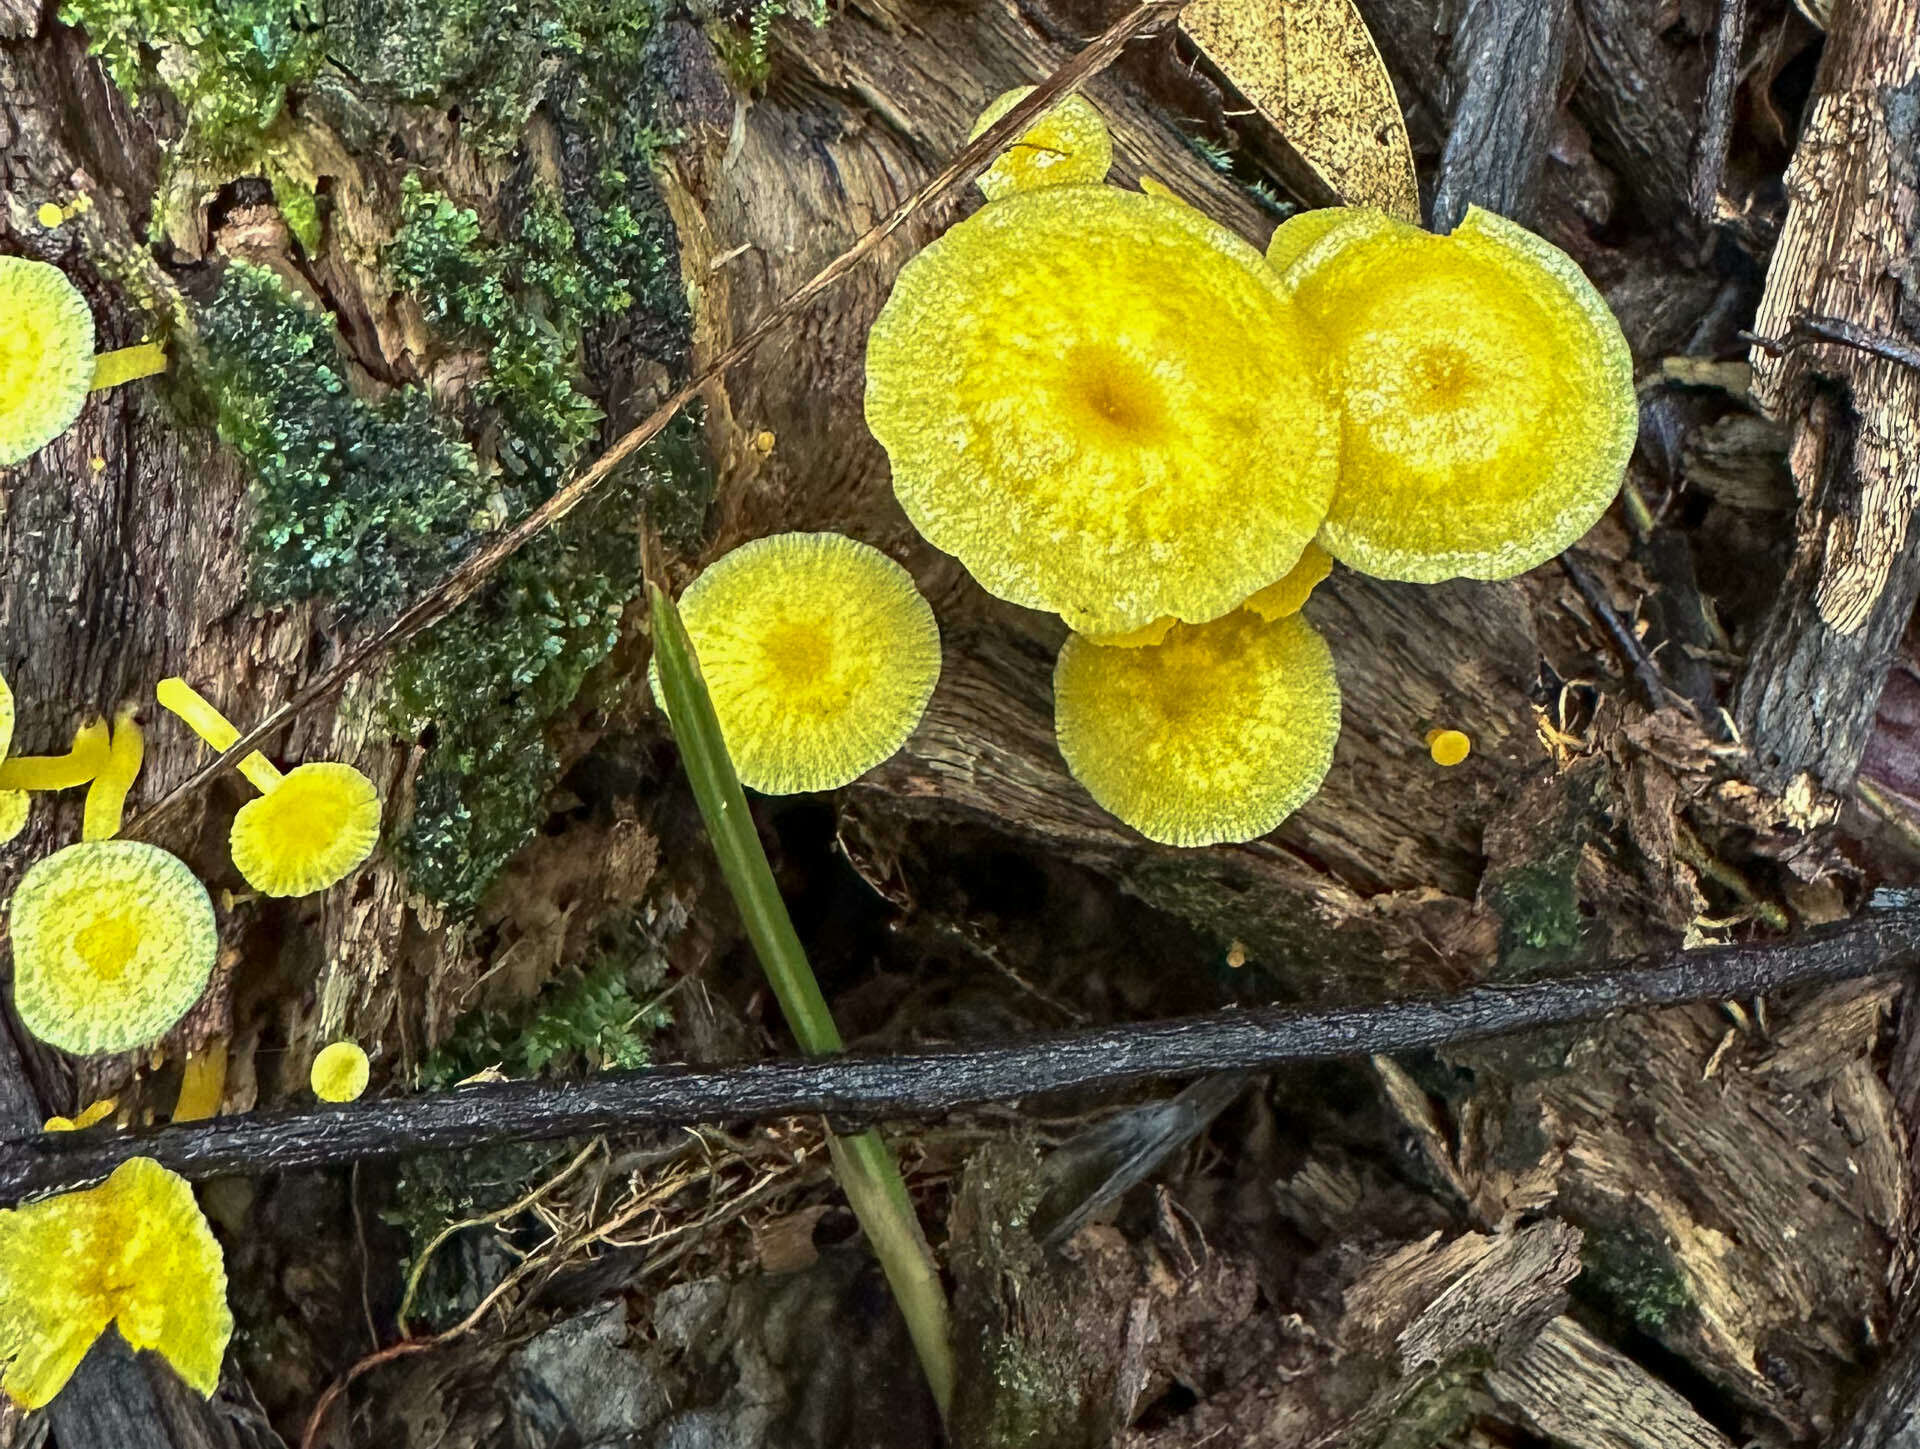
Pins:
x: 1629, y: 1273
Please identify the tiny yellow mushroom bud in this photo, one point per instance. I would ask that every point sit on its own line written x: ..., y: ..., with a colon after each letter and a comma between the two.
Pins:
x: 49, y: 214
x: 339, y: 1072
x: 1289, y: 593
x: 820, y: 656
x: 113, y: 942
x: 178, y: 697
x: 14, y: 807
x: 308, y: 831
x: 88, y: 757
x: 1487, y: 392
x: 93, y: 1114
x: 107, y: 794
x: 1105, y: 405
x: 1216, y: 735
x: 135, y: 1252
x: 203, y: 1083
x: 1068, y: 144
x: 1448, y: 747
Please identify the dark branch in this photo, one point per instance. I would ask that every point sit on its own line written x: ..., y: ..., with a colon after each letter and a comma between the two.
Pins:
x: 854, y: 1089
x: 1645, y: 672
x: 1716, y: 122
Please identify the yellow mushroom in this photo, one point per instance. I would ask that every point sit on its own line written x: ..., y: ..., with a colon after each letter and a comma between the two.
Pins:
x: 1448, y: 747
x: 1293, y: 236
x: 339, y: 1072
x: 134, y: 1252
x: 14, y: 806
x: 1217, y: 734
x: 6, y: 717
x: 113, y: 942
x: 203, y: 1082
x: 1289, y: 593
x: 820, y: 656
x: 1487, y: 390
x: 107, y: 792
x: 92, y: 748
x: 1068, y: 144
x: 310, y: 826
x: 91, y: 1115
x: 1104, y: 404
x: 47, y: 362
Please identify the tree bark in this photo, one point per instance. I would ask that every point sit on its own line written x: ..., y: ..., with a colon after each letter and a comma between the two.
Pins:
x: 1813, y: 679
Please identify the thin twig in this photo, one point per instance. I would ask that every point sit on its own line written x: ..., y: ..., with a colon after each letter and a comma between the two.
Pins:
x: 466, y: 577
x: 1716, y: 122
x: 1812, y: 328
x: 859, y: 1088
x: 1645, y: 672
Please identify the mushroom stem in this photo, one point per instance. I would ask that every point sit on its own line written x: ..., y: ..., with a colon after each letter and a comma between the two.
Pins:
x: 178, y: 697
x: 125, y: 364
x: 203, y: 1083
x: 107, y: 794
x: 78, y: 766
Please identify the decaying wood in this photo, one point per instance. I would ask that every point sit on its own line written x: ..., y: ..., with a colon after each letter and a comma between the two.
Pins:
x: 1504, y: 70
x: 1806, y: 702
x: 858, y: 1088
x: 1571, y: 1388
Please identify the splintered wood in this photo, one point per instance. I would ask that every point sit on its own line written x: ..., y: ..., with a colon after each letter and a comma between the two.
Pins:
x: 1844, y: 256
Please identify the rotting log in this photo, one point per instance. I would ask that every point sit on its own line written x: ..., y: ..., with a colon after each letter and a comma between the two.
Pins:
x: 1813, y: 678
x: 1504, y: 71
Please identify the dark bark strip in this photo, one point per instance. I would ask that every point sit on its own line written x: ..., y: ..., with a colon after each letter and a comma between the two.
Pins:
x: 1716, y: 124
x: 1505, y: 77
x: 855, y: 1089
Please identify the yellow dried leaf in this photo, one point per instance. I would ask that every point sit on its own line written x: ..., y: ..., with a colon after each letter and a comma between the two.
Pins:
x: 1310, y: 68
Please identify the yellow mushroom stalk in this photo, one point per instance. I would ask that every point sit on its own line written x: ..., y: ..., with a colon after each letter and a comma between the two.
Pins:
x: 203, y: 1083
x: 91, y: 1115
x: 178, y: 697
x: 1486, y: 386
x: 90, y: 754
x: 1105, y: 405
x: 47, y: 361
x: 107, y: 792
x: 310, y: 826
x: 113, y: 942
x: 1069, y: 144
x: 1214, y: 736
x: 820, y: 656
x: 6, y: 717
x: 135, y: 1253
x: 340, y: 1072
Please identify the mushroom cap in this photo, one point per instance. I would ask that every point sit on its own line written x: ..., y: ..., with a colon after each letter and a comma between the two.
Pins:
x: 135, y: 1250
x: 1293, y: 236
x: 1488, y: 395
x: 1069, y: 144
x: 1101, y: 402
x: 14, y: 807
x: 339, y: 1073
x: 1218, y: 734
x: 1448, y: 747
x: 113, y: 942
x: 1289, y: 593
x: 308, y: 831
x: 46, y: 355
x: 819, y: 654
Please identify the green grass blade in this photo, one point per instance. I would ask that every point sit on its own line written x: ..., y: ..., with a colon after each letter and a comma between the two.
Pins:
x: 867, y: 1171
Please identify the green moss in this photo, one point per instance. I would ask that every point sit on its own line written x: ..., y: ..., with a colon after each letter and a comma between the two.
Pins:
x: 230, y: 63
x: 1539, y: 910
x: 352, y: 499
x: 746, y: 44
x: 1629, y: 1273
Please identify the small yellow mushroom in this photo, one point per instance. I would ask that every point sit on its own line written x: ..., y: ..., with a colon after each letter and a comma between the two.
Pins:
x: 113, y: 942
x: 107, y: 793
x: 820, y: 656
x: 135, y: 1252
x: 49, y: 214
x: 1487, y: 390
x: 91, y: 1115
x: 89, y: 756
x: 1068, y: 144
x: 340, y: 1072
x: 203, y: 1082
x: 310, y: 826
x: 47, y: 362
x: 1289, y: 593
x: 1448, y: 747
x: 1104, y: 405
x: 1216, y: 735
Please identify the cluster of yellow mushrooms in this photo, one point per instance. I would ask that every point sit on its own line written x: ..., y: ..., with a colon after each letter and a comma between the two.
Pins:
x: 1110, y: 407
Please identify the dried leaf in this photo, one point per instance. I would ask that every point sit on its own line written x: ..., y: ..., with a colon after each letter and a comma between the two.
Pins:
x: 1310, y: 68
